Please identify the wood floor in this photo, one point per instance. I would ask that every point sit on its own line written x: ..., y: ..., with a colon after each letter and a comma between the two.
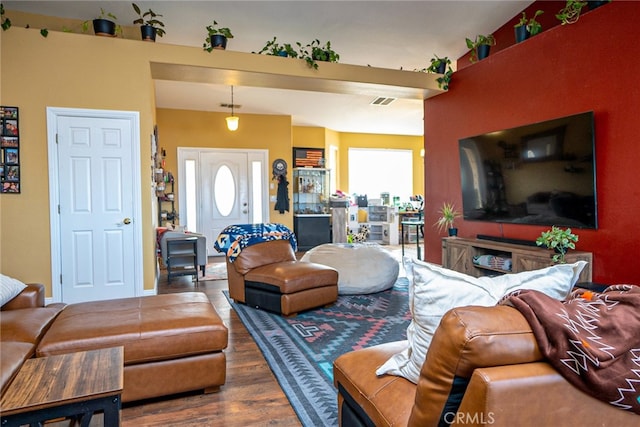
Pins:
x: 251, y: 395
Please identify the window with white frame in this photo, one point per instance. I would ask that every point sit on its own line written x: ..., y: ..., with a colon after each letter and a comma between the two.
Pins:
x: 375, y: 171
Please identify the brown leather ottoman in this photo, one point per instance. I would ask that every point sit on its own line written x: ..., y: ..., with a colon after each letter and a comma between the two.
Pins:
x: 289, y: 287
x: 172, y: 343
x: 267, y: 275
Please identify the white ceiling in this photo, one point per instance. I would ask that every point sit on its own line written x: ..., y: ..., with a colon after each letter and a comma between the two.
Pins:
x: 385, y: 34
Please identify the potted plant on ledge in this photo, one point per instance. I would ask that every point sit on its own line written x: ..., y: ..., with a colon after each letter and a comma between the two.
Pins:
x: 441, y: 66
x: 448, y: 214
x: 313, y: 52
x: 272, y: 47
x: 104, y: 25
x: 150, y: 25
x: 559, y: 240
x: 527, y: 27
x: 480, y: 47
x: 570, y: 13
x: 216, y: 37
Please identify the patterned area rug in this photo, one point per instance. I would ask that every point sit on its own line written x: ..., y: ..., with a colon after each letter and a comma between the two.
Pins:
x: 301, y: 350
x: 215, y: 271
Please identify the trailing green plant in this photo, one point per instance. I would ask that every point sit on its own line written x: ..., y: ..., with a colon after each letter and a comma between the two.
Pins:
x: 570, y: 13
x: 314, y: 51
x: 559, y: 240
x: 533, y: 26
x: 448, y: 214
x: 103, y: 15
x: 436, y: 65
x: 272, y: 47
x: 212, y: 30
x: 480, y: 40
x: 149, y: 18
x: 4, y: 21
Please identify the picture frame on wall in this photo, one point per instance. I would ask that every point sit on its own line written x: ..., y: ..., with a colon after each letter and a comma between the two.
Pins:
x: 11, y: 156
x: 9, y: 150
x: 308, y: 157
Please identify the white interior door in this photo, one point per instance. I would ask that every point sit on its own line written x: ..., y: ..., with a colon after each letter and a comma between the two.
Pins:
x: 96, y: 192
x: 224, y: 192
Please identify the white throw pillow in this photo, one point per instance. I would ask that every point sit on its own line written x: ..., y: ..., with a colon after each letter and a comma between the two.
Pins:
x: 9, y: 288
x: 435, y: 290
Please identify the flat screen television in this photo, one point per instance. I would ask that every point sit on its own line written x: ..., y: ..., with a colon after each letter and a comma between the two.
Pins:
x: 541, y: 174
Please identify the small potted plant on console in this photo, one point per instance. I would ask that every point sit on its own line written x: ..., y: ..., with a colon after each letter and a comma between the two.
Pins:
x: 559, y: 240
x: 448, y: 214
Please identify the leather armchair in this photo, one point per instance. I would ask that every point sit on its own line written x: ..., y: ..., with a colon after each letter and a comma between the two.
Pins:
x: 267, y: 275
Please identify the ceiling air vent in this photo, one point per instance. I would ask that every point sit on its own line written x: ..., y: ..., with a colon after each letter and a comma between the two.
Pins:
x: 382, y: 100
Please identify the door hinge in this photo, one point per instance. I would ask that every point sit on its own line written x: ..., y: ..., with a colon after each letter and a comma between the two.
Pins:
x: 58, y: 209
x: 61, y: 279
x: 56, y: 138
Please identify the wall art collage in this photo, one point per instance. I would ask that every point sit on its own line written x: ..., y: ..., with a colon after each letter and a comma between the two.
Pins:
x: 9, y: 150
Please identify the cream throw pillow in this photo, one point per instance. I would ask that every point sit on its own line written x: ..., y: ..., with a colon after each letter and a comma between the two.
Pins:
x: 435, y: 290
x: 9, y: 288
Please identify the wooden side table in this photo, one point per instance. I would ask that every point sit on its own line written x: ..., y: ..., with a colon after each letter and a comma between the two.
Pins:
x: 69, y: 385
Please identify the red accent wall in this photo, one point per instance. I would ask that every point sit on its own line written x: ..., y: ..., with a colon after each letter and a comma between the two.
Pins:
x: 594, y: 65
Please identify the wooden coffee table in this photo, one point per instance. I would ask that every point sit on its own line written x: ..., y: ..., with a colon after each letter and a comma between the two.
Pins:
x: 68, y: 385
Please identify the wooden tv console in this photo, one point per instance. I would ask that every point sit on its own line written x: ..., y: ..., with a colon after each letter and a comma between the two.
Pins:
x: 458, y: 253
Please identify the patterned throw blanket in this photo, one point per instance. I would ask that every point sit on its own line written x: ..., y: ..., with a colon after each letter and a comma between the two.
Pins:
x: 233, y: 239
x: 592, y: 339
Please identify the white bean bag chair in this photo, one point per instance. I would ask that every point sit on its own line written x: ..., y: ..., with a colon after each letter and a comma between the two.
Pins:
x: 362, y: 268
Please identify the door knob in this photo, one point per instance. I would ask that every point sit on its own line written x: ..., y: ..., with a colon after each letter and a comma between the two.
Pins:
x: 126, y: 221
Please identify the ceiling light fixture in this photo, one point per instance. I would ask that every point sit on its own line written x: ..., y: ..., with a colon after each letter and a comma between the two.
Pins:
x: 232, y: 121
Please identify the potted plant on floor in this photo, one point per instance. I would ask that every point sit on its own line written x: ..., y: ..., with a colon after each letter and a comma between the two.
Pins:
x: 559, y: 240
x: 480, y: 47
x: 441, y: 66
x: 104, y: 25
x: 527, y: 27
x: 448, y: 214
x: 150, y: 25
x: 570, y: 13
x: 216, y: 37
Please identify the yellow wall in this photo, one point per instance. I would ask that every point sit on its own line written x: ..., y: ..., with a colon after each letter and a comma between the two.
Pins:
x: 65, y: 70
x: 187, y: 128
x: 83, y: 71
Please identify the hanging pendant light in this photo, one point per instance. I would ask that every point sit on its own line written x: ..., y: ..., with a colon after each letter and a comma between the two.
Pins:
x: 232, y: 121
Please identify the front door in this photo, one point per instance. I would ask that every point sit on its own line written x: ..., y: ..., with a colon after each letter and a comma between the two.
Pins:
x: 224, y: 192
x: 96, y: 194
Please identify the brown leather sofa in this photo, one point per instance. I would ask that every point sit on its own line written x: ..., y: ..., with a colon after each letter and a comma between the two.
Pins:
x: 483, y: 368
x: 268, y: 276
x: 172, y: 343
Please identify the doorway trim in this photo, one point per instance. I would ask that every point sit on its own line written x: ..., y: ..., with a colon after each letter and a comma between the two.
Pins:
x: 54, y: 196
x: 195, y: 153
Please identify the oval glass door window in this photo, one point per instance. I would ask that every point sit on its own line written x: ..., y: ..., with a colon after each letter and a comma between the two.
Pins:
x: 224, y: 188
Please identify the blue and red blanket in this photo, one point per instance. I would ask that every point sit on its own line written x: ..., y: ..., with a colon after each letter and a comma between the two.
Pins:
x: 234, y: 238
